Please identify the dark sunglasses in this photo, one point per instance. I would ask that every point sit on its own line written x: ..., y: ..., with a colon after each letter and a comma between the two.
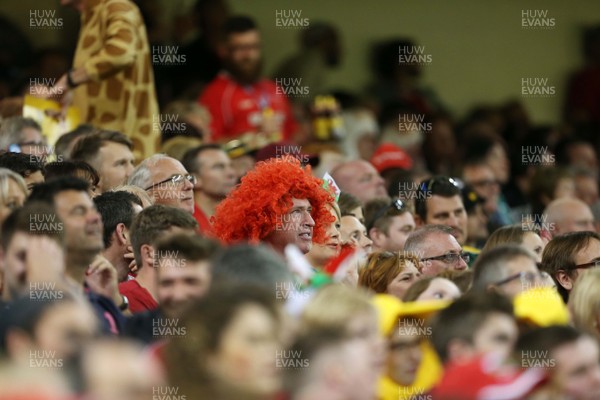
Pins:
x: 397, y: 204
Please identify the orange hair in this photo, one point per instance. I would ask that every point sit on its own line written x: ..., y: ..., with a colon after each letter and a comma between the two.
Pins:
x: 251, y: 211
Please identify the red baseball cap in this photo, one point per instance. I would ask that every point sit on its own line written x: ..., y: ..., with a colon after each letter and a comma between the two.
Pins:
x: 389, y: 155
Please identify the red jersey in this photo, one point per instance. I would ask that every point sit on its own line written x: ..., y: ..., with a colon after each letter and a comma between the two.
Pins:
x: 237, y: 109
x: 139, y: 298
x: 202, y: 219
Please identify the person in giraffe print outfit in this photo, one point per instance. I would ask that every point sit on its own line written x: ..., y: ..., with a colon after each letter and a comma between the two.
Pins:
x: 112, y: 81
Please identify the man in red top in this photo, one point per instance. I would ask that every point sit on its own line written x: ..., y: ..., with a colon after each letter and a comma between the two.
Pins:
x: 151, y: 224
x: 239, y: 100
x: 215, y: 178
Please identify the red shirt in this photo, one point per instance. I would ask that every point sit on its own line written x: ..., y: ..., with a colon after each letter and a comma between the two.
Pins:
x: 140, y: 299
x: 237, y: 109
x: 203, y: 222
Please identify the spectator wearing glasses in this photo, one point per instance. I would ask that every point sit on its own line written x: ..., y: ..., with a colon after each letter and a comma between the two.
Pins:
x: 437, y: 249
x: 439, y: 201
x: 388, y: 224
x: 508, y: 270
x: 166, y: 180
x: 567, y: 256
x: 22, y: 135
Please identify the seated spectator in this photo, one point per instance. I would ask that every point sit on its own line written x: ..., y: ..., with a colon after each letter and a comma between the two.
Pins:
x: 215, y: 179
x: 23, y: 135
x: 166, y: 180
x: 151, y: 224
x: 320, y: 254
x: 584, y: 303
x: 568, y: 215
x: 508, y: 270
x: 518, y: 235
x: 111, y: 155
x: 360, y: 179
x: 293, y: 208
x: 389, y: 272
x: 472, y: 326
x: 354, y: 234
x: 117, y: 210
x: 437, y: 249
x: 570, y: 358
x: 567, y: 256
x: 388, y: 224
x: 13, y: 192
x: 432, y: 288
x: 235, y: 110
x: 30, y: 168
x: 222, y: 363
x: 78, y: 169
x: 350, y: 205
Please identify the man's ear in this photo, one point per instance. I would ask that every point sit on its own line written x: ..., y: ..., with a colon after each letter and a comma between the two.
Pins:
x: 121, y: 234
x: 147, y: 253
x: 564, y: 280
x: 377, y: 236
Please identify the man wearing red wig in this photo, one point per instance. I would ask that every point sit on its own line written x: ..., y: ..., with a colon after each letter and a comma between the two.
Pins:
x: 278, y: 203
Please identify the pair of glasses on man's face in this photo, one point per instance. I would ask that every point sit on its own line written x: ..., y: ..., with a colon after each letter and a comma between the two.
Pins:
x: 450, y: 258
x: 397, y: 204
x: 176, y: 180
x: 527, y: 277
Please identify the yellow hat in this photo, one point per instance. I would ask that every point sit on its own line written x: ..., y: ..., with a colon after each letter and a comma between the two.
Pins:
x: 541, y: 306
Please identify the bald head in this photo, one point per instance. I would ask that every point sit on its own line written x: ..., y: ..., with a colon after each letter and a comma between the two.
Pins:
x: 360, y: 179
x: 566, y: 215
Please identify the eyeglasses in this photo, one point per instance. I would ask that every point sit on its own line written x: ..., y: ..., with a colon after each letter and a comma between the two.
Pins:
x: 529, y: 277
x: 591, y: 264
x: 175, y: 180
x: 450, y: 258
x: 397, y: 204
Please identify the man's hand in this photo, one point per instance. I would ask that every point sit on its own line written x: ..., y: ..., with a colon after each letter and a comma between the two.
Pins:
x: 45, y: 260
x: 101, y: 278
x: 131, y: 257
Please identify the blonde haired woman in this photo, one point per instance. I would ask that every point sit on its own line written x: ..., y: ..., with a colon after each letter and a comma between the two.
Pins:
x: 584, y: 302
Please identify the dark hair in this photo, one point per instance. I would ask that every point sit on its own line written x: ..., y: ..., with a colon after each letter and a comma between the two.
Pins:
x: 415, y: 290
x: 464, y: 317
x: 77, y: 168
x: 188, y: 247
x: 540, y: 342
x: 543, y: 185
x: 206, y: 321
x: 64, y: 141
x: 190, y: 158
x: 490, y: 265
x: 152, y: 222
x: 237, y: 24
x: 439, y: 186
x: 559, y: 254
x: 115, y: 208
x: 22, y: 164
x: 88, y: 147
x: 47, y: 191
x: 384, y: 211
x: 20, y: 220
x: 347, y: 203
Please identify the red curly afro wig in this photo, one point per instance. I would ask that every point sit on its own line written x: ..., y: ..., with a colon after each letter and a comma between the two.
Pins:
x: 250, y: 212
